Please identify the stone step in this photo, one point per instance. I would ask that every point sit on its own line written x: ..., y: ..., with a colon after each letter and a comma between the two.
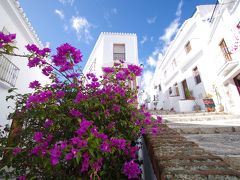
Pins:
x: 221, y: 174
x: 189, y: 113
x: 203, y: 129
x: 225, y: 144
x: 200, y: 118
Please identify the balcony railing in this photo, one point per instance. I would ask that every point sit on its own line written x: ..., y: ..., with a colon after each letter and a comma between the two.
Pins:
x: 118, y: 56
x: 8, y: 71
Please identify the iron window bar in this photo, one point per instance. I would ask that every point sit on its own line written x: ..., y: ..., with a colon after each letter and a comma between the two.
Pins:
x: 8, y: 71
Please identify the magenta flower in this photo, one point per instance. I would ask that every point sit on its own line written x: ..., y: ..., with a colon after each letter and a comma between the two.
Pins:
x: 84, y: 125
x: 131, y: 169
x: 85, y: 162
x: 32, y: 48
x: 80, y: 96
x: 69, y: 156
x: 98, y: 164
x: 75, y: 113
x: 135, y: 69
x: 7, y: 38
x: 119, y: 143
x: 21, y: 178
x: 16, y: 150
x: 48, y: 123
x: 34, y: 62
x: 105, y: 147
x: 108, y: 69
x: 121, y: 75
x: 55, y: 155
x: 159, y: 119
x: 116, y: 108
x: 60, y: 94
x: 38, y: 136
x: 47, y: 70
x: 34, y: 84
x: 154, y: 130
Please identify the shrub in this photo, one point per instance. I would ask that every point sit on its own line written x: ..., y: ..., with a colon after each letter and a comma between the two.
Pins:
x: 77, y: 126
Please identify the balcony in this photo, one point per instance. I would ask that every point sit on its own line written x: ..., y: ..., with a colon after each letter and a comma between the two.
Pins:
x: 227, y: 67
x: 8, y: 71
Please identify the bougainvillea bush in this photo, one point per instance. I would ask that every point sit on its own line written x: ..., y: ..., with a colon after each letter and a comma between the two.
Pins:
x: 76, y: 127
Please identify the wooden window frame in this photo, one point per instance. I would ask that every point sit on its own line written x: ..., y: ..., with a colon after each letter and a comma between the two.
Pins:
x: 226, y: 53
x: 188, y: 47
x: 197, y: 76
x: 176, y: 89
x: 116, y: 55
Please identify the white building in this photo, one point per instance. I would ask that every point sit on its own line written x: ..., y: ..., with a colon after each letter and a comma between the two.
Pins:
x: 201, y: 62
x: 14, y: 71
x: 109, y: 49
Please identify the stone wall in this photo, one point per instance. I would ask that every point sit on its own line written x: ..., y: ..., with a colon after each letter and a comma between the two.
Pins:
x: 174, y: 157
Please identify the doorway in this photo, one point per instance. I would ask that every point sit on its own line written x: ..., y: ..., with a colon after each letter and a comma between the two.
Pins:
x: 185, y: 88
x: 237, y: 82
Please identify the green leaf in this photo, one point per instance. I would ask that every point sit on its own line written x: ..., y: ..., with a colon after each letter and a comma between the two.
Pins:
x: 9, y: 97
x: 78, y: 158
x: 11, y: 90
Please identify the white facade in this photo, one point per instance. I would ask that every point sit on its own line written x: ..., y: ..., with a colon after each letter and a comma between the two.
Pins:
x: 14, y: 20
x: 196, y: 50
x: 111, y: 47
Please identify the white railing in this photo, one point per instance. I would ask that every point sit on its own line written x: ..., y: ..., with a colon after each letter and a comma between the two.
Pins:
x: 8, y: 71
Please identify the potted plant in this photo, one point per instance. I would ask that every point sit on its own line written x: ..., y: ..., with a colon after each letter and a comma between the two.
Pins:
x: 188, y: 95
x: 196, y: 107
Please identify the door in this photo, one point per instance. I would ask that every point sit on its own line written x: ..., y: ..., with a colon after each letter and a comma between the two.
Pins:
x: 237, y: 82
x: 185, y: 88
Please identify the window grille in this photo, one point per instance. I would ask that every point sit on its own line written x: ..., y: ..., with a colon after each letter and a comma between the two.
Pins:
x: 8, y: 71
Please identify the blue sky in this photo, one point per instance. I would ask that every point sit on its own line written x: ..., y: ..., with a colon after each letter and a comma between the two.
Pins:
x: 80, y: 22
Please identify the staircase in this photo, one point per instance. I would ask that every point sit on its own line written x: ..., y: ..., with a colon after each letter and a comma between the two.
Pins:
x: 218, y: 133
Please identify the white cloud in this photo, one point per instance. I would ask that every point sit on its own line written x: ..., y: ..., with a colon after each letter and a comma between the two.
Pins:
x: 47, y: 45
x: 170, y: 31
x: 64, y: 2
x: 151, y: 61
x: 179, y: 9
x: 165, y: 39
x: 82, y: 28
x: 107, y: 15
x: 152, y: 38
x: 114, y: 11
x: 65, y: 27
x: 146, y: 79
x: 144, y: 39
x: 151, y: 20
x: 59, y: 13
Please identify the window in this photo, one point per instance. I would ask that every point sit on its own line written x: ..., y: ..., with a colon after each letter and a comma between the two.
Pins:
x: 188, y: 47
x: 165, y: 73
x: 170, y: 90
x: 225, y: 51
x: 118, y: 52
x: 176, y: 89
x: 155, y: 97
x: 196, y: 75
x: 8, y: 71
x: 174, y: 64
x: 159, y: 87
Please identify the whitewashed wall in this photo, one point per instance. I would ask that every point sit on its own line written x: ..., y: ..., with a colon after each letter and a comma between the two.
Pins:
x: 11, y: 17
x: 103, y: 50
